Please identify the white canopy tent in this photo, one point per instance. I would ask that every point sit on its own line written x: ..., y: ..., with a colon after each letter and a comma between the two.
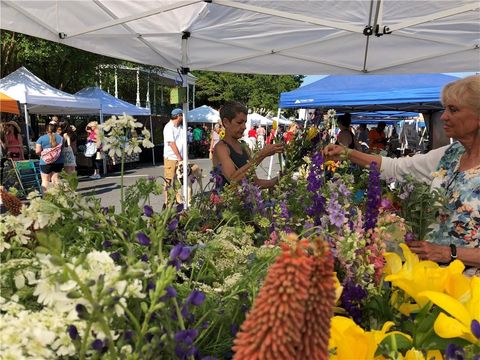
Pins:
x: 37, y: 97
x: 257, y: 119
x: 203, y: 114
x: 269, y: 37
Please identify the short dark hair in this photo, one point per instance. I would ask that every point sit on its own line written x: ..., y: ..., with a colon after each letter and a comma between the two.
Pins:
x: 345, y: 119
x: 231, y: 108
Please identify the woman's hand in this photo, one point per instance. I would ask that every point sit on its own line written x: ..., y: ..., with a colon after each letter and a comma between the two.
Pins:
x: 430, y: 251
x: 271, y: 149
x: 333, y: 152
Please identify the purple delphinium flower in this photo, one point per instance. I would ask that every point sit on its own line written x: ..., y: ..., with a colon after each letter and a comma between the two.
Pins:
x: 144, y: 258
x: 315, y: 182
x: 172, y: 225
x: 475, y: 327
x: 183, y: 343
x: 151, y: 178
x: 251, y: 195
x: 148, y: 210
x: 81, y: 311
x: 115, y: 256
x: 97, y: 344
x: 373, y: 197
x: 143, y: 239
x: 351, y: 299
x: 180, y: 208
x: 178, y: 254
x: 217, y: 177
x: 410, y: 236
x: 170, y: 293
x: 196, y: 298
x: 454, y: 352
x: 72, y: 332
x: 106, y: 244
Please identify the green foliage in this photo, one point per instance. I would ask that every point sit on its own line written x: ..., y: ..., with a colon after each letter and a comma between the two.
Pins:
x: 257, y: 92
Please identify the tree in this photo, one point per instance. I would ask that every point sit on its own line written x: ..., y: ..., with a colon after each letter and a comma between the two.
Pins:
x: 259, y: 92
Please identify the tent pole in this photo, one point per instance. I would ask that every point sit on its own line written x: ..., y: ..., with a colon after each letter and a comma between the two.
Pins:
x: 271, y: 157
x: 185, y: 71
x: 27, y: 130
x: 151, y: 138
x: 104, y: 157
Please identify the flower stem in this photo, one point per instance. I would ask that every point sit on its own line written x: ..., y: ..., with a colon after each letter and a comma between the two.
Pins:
x: 122, y: 169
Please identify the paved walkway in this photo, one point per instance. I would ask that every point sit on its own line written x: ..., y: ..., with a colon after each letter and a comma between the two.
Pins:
x: 108, y: 188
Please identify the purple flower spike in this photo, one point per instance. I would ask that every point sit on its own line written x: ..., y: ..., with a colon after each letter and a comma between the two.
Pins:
x: 72, y: 332
x: 186, y: 336
x: 170, y: 293
x: 409, y: 236
x: 148, y: 210
x: 143, y: 239
x: 176, y: 250
x: 115, y: 256
x: 475, y: 327
x: 180, y: 208
x: 196, y: 298
x: 184, y: 254
x: 454, y: 352
x: 173, y: 225
x: 106, y: 244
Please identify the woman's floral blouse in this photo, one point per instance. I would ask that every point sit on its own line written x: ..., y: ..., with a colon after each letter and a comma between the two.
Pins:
x: 461, y: 224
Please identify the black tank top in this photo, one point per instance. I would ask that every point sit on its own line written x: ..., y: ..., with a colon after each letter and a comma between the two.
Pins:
x: 352, y: 142
x: 238, y: 159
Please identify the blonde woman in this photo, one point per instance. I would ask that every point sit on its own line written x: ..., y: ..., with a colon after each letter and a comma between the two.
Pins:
x: 49, y: 172
x: 214, y: 138
x: 92, y: 131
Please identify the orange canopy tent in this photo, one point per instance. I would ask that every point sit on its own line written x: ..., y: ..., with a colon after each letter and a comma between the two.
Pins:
x: 8, y: 104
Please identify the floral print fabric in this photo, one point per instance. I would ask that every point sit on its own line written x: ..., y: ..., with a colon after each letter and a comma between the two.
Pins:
x: 460, y: 224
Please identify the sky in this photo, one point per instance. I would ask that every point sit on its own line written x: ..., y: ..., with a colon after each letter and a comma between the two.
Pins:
x: 312, y: 78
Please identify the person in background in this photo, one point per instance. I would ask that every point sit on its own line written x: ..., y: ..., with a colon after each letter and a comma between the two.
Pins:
x: 93, y: 136
x: 261, y: 136
x: 214, y: 139
x: 362, y: 137
x: 455, y: 168
x: 12, y: 142
x: 173, y: 143
x: 289, y: 135
x: 252, y: 137
x: 49, y: 172
x: 233, y: 156
x: 345, y: 137
x: 65, y: 130
x: 376, y: 138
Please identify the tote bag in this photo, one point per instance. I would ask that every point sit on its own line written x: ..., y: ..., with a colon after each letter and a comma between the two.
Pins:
x: 91, y: 149
x: 52, y: 154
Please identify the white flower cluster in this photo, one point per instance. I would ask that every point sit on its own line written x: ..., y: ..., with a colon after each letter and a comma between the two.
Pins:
x: 97, y: 265
x: 26, y: 334
x: 118, y: 134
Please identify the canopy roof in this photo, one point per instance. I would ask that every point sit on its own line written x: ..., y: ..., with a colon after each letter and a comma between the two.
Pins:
x: 8, y: 104
x: 203, y: 114
x: 42, y: 98
x: 110, y: 104
x: 259, y: 36
x: 257, y: 119
x: 370, y: 92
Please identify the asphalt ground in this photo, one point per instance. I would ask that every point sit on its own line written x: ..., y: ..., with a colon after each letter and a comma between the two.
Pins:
x: 108, y: 187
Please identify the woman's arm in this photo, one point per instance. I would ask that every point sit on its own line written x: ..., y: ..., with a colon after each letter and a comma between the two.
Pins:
x: 442, y: 253
x: 38, y: 149
x: 338, y: 152
x: 229, y: 169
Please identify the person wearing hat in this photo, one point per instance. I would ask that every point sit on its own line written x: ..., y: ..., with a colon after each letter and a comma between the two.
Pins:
x: 173, y: 143
x: 12, y: 142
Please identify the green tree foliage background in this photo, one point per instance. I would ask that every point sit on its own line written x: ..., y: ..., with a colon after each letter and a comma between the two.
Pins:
x: 71, y: 69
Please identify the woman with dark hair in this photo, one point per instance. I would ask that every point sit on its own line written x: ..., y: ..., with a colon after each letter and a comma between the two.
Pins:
x: 234, y: 156
x: 49, y: 172
x: 345, y: 137
x: 12, y: 141
x: 65, y: 130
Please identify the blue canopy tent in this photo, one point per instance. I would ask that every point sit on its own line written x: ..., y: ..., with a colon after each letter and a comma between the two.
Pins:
x: 370, y: 93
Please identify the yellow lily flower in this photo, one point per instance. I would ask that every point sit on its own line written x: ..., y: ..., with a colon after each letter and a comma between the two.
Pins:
x: 461, y: 315
x: 350, y: 341
x: 414, y: 354
x: 416, y: 276
x: 338, y: 287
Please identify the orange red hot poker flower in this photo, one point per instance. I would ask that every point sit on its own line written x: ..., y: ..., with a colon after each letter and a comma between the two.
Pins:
x: 291, y: 315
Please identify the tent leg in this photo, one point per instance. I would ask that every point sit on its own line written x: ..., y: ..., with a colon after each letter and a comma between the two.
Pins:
x: 151, y: 138
x: 184, y: 72
x: 27, y: 129
x: 104, y: 157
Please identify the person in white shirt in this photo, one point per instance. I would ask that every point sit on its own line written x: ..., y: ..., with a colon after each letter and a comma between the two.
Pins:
x: 173, y: 144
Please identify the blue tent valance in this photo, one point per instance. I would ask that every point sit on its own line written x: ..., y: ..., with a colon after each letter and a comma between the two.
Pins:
x: 370, y: 92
